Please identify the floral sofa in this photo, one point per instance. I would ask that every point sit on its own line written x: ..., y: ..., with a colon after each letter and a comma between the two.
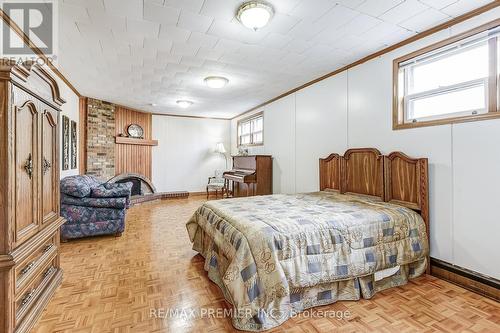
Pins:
x: 92, y: 207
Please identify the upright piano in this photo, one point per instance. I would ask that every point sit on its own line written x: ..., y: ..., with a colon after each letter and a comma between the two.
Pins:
x: 251, y: 175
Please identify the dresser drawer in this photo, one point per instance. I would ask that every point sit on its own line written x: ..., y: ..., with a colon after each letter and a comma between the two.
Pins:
x: 35, y: 288
x: 30, y: 267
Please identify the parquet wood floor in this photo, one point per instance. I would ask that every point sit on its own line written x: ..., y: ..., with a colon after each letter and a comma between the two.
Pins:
x: 112, y: 284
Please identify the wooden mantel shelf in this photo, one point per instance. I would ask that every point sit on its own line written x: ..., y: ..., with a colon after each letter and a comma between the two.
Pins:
x: 133, y: 141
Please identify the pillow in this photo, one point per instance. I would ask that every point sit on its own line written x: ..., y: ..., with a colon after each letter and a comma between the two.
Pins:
x: 78, y: 186
x: 111, y: 190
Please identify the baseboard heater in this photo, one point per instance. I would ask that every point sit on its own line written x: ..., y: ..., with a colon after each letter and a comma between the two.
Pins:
x: 158, y: 196
x: 474, y: 281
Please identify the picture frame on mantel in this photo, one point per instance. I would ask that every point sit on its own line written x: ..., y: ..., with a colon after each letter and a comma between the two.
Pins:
x: 65, y: 143
x: 74, y: 146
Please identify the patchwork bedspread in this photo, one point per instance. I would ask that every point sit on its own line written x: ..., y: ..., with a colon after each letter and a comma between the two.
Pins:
x: 275, y: 255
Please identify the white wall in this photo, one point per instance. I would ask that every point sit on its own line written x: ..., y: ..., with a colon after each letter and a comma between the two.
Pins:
x: 71, y: 110
x: 185, y: 157
x: 354, y: 109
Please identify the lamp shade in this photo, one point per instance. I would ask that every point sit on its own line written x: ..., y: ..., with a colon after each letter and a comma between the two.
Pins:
x: 219, y: 148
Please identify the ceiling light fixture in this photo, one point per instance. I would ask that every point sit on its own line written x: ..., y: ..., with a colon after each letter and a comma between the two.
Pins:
x: 255, y: 14
x: 183, y: 103
x: 216, y: 82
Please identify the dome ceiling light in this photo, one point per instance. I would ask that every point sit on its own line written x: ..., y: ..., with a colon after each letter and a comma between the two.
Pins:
x: 216, y: 82
x: 183, y: 103
x: 255, y: 14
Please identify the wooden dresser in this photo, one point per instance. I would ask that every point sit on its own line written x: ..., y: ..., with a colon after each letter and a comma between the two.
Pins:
x: 29, y: 193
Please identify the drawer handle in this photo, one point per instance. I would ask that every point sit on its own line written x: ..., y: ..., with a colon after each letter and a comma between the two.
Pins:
x: 28, y: 297
x: 47, y: 248
x: 48, y: 271
x: 27, y: 268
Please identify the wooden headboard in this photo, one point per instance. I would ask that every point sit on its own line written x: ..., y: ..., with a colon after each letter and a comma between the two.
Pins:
x: 363, y: 172
x: 394, y: 178
x: 406, y: 182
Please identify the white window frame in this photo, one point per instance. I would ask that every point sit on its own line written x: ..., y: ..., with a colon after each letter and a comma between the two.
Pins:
x: 250, y: 120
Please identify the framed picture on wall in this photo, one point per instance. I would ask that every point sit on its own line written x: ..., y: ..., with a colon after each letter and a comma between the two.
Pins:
x: 73, y: 145
x: 65, y: 143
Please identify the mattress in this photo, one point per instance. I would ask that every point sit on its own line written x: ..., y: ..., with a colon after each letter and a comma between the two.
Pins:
x: 273, y: 256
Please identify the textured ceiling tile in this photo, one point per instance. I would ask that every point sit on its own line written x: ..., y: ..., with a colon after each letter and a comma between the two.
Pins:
x: 192, y: 61
x: 224, y: 10
x: 382, y: 30
x: 336, y: 17
x: 145, y: 28
x: 228, y: 30
x: 247, y: 36
x: 351, y: 3
x: 214, y: 65
x: 158, y: 44
x: 378, y: 7
x: 425, y: 20
x: 98, y: 4
x: 184, y: 49
x: 130, y: 8
x: 160, y: 14
x: 361, y: 24
x: 101, y: 18
x: 404, y: 11
x: 285, y: 6
x: 298, y: 45
x: 305, y: 29
x: 192, y: 5
x: 312, y: 11
x: 174, y: 34
x: 463, y: 6
x: 438, y: 4
x: 209, y: 54
x: 275, y: 40
x: 281, y: 23
x: 75, y: 12
x: 194, y: 22
x: 202, y: 40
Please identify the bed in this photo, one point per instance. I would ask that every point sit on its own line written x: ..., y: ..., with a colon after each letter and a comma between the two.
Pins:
x: 273, y: 256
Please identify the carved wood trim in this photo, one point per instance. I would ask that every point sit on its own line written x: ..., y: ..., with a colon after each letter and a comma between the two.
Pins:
x: 20, y: 75
x: 363, y: 172
x: 329, y: 172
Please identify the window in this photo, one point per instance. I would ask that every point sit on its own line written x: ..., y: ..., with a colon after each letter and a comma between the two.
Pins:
x: 251, y: 130
x: 454, y: 80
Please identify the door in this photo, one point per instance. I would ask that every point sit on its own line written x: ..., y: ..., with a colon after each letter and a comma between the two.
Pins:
x: 26, y: 139
x: 49, y: 169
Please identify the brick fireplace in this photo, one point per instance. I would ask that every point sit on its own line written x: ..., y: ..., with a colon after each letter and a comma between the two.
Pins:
x: 100, y: 139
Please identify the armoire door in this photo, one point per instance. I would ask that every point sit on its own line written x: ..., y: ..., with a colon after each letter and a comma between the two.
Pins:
x: 48, y: 163
x: 26, y: 139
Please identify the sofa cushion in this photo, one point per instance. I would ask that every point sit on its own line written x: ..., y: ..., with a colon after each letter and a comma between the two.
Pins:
x: 115, y: 203
x: 79, y: 186
x: 112, y: 190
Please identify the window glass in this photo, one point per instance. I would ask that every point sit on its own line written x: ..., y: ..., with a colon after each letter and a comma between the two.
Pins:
x: 460, y: 66
x: 467, y: 100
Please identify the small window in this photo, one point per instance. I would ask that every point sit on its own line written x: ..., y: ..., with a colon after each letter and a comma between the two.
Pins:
x: 454, y: 80
x: 251, y: 131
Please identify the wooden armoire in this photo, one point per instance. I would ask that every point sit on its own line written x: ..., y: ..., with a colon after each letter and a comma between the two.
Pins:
x: 29, y: 193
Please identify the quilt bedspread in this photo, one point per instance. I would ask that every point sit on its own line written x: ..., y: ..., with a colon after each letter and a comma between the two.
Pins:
x: 269, y: 252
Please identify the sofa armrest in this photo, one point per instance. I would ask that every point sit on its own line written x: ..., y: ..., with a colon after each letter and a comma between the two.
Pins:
x: 109, y: 190
x: 115, y: 203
